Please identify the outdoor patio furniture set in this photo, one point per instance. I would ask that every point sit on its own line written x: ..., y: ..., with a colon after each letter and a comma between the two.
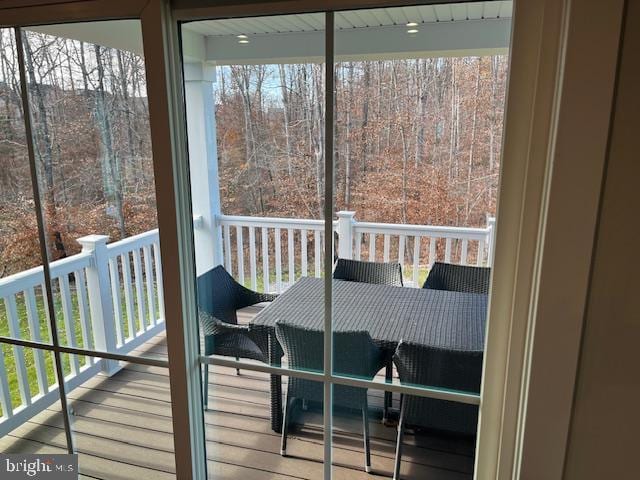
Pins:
x: 434, y: 336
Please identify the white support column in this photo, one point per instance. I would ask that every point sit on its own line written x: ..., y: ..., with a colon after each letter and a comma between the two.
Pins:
x: 100, y: 301
x: 203, y: 163
x: 346, y: 221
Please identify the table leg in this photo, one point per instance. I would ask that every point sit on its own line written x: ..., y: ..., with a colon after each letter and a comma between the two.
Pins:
x: 276, y: 387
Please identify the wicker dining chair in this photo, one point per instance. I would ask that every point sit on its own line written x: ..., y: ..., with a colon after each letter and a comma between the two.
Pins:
x: 368, y: 272
x: 458, y: 278
x: 355, y: 355
x: 219, y: 297
x: 376, y: 273
x: 442, y: 368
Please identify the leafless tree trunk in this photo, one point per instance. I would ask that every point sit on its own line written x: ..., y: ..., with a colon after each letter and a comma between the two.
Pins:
x: 473, y: 142
x: 113, y: 179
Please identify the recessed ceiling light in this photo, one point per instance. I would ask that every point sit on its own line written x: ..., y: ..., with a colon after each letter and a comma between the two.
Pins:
x: 413, y: 30
x: 412, y: 24
x: 243, y: 41
x: 242, y: 37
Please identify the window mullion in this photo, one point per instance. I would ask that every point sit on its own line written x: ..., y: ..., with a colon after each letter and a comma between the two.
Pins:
x: 328, y: 243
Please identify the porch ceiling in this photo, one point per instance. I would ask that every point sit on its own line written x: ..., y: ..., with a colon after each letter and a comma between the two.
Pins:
x: 377, y: 17
x: 462, y: 29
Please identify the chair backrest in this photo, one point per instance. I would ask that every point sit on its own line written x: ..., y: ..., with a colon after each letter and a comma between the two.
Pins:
x: 217, y: 292
x: 368, y: 272
x: 458, y: 278
x: 355, y: 355
x: 442, y: 368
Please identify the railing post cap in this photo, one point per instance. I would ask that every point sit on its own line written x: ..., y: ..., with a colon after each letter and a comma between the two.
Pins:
x: 346, y: 213
x: 90, y: 241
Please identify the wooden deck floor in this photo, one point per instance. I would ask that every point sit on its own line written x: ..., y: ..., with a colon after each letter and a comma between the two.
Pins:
x: 123, y: 430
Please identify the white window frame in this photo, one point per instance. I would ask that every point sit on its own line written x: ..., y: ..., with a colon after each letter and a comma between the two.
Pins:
x: 537, y: 198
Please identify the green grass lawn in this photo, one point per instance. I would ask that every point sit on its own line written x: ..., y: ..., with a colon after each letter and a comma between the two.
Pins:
x: 43, y: 324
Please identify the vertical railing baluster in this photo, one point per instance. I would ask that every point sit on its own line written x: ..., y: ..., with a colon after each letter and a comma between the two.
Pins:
x: 83, y: 310
x: 117, y: 303
x: 69, y: 323
x: 303, y: 252
x: 265, y: 259
x: 148, y: 274
x: 252, y: 258
x: 416, y: 259
x: 372, y: 247
x: 358, y: 240
x: 387, y: 246
x: 432, y: 251
x: 159, y: 281
x: 18, y: 351
x: 481, y: 253
x: 49, y: 339
x: 447, y: 250
x: 227, y: 248
x: 240, y: 253
x: 125, y: 261
x: 5, y: 393
x: 316, y: 253
x: 401, y: 241
x: 278, y: 247
x: 291, y: 255
x: 463, y: 254
x: 34, y: 327
x: 137, y: 274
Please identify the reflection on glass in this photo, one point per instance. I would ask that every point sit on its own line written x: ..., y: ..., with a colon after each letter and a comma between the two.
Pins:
x: 89, y: 110
x: 419, y: 113
x: 240, y: 440
x: 28, y: 391
x: 255, y: 123
x: 132, y: 406
x: 23, y: 310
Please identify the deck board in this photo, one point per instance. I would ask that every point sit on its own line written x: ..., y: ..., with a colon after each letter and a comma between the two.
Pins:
x: 123, y: 431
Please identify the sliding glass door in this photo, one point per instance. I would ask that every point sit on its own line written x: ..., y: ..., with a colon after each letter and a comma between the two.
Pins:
x: 223, y: 231
x: 84, y: 364
x: 337, y: 160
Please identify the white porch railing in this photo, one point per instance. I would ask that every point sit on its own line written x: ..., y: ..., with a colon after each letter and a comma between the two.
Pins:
x: 110, y: 296
x: 88, y: 288
x: 276, y: 245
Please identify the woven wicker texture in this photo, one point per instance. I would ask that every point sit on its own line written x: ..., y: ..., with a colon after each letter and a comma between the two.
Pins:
x: 449, y: 320
x: 355, y: 355
x: 219, y: 296
x: 436, y: 367
x: 458, y: 278
x: 441, y: 319
x: 368, y: 272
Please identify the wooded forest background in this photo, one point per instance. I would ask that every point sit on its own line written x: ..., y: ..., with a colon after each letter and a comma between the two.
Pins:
x: 417, y: 141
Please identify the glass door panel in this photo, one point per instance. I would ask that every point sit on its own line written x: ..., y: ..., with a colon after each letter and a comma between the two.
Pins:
x: 23, y: 309
x: 88, y: 107
x: 133, y: 406
x: 256, y: 131
x: 418, y: 129
x: 28, y: 382
x: 90, y: 122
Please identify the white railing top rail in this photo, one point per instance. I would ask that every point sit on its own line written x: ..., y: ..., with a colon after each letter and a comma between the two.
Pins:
x: 272, y: 222
x: 32, y: 277
x: 130, y: 243
x: 422, y: 230
x: 20, y: 281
